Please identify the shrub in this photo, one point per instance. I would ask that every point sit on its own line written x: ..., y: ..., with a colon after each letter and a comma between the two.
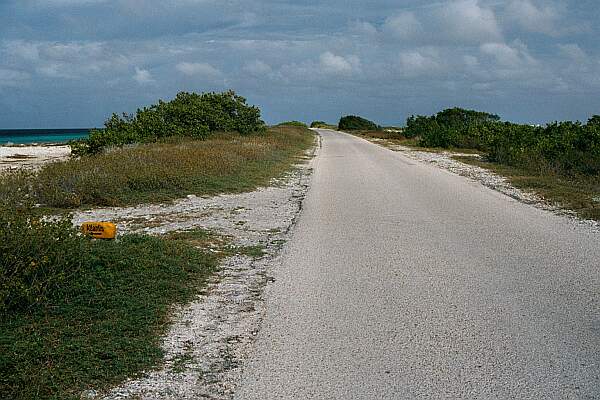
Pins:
x: 568, y: 148
x: 354, y: 123
x: 39, y: 257
x: 189, y: 114
x: 293, y: 123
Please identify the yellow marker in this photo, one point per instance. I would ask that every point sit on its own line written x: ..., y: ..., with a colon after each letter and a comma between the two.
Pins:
x: 99, y: 230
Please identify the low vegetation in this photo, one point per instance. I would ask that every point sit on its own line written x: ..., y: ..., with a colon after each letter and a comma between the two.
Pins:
x: 293, y: 123
x: 354, y: 123
x: 562, y: 148
x: 322, y: 125
x: 188, y: 115
x: 77, y: 313
x: 225, y: 162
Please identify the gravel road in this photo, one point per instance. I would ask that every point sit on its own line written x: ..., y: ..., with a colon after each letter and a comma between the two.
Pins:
x: 402, y: 280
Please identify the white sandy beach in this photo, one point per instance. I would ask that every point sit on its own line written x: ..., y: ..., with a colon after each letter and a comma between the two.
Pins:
x: 14, y: 157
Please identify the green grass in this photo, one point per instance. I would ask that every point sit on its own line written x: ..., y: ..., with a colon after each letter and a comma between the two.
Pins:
x: 104, y: 324
x: 161, y: 172
x: 580, y: 194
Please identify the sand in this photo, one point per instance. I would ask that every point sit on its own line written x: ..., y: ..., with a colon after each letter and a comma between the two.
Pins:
x: 29, y: 156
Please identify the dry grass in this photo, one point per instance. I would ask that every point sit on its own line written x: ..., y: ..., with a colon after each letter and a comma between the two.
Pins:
x: 164, y: 171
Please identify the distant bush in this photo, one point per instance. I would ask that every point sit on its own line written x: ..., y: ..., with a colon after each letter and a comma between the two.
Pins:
x: 189, y: 114
x: 293, y: 123
x: 449, y: 128
x: 354, y: 123
x: 562, y: 147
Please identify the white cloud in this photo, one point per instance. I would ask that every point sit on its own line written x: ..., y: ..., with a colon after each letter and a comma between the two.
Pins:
x: 142, y: 76
x: 466, y: 21
x: 533, y: 18
x: 54, y: 70
x: 403, y: 26
x: 574, y: 52
x: 363, y: 28
x: 197, y: 69
x: 419, y: 62
x: 331, y: 63
x: 515, y: 57
x: 12, y: 78
x: 257, y: 68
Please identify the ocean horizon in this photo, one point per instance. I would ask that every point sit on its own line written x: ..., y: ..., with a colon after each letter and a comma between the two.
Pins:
x: 41, y: 136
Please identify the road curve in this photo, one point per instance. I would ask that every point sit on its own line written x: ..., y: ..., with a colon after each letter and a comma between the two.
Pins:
x: 405, y: 281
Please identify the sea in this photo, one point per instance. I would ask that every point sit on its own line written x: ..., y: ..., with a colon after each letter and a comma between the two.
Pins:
x: 41, y: 136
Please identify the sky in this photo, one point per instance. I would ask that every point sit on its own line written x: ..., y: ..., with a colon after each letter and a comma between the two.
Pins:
x: 72, y: 63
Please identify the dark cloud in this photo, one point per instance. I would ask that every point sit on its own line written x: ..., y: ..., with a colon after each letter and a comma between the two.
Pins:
x: 73, y: 62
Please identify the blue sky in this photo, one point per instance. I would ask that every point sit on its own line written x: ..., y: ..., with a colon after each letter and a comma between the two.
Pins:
x: 71, y: 63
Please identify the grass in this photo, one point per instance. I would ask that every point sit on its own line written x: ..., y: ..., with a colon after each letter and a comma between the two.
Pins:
x: 163, y: 171
x: 104, y: 324
x: 579, y: 194
x: 78, y: 314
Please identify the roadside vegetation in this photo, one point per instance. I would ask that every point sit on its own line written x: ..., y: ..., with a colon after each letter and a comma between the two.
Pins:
x: 157, y: 172
x: 293, y: 123
x: 322, y: 125
x: 77, y: 314
x: 188, y: 115
x: 560, y: 161
x: 355, y: 123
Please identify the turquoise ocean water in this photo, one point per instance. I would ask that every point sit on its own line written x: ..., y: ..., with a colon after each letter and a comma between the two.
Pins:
x: 30, y: 136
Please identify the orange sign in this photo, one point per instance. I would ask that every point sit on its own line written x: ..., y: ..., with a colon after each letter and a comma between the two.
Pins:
x: 99, y: 230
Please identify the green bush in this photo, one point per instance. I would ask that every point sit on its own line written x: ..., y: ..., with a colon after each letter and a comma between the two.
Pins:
x: 568, y: 148
x: 449, y: 128
x: 293, y: 123
x: 77, y: 313
x: 189, y: 114
x: 39, y: 257
x: 354, y: 123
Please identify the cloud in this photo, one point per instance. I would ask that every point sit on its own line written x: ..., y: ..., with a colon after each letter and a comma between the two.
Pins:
x: 574, y: 53
x: 142, y: 76
x: 506, y: 56
x: 363, y: 28
x: 257, y: 68
x: 533, y: 18
x: 197, y: 69
x: 269, y: 50
x: 466, y: 21
x: 12, y: 78
x: 403, y: 26
x: 419, y: 62
x: 333, y: 64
